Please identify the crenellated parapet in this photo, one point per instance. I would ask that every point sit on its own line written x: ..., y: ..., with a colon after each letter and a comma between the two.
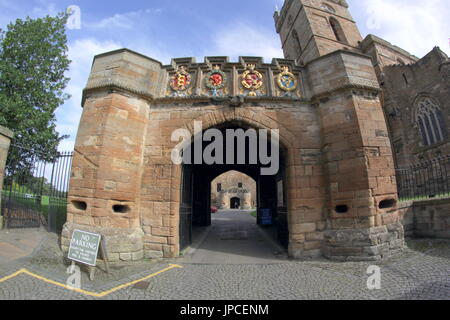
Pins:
x: 186, y: 79
x: 250, y: 77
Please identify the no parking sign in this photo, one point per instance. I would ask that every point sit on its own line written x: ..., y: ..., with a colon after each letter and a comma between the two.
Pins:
x: 84, y: 247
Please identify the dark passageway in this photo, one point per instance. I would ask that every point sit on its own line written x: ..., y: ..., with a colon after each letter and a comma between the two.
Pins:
x: 196, y: 198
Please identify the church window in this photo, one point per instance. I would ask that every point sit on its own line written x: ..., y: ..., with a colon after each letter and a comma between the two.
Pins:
x: 430, y: 121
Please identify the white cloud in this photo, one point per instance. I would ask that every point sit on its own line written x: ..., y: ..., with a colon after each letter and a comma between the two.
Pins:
x: 125, y: 21
x: 241, y: 39
x: 413, y: 25
x: 81, y: 52
x: 45, y: 9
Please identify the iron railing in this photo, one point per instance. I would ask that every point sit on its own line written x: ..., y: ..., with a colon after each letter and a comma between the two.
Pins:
x: 425, y: 180
x: 35, y: 192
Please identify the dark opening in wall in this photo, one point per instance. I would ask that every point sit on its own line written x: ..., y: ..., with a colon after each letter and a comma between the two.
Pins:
x: 388, y: 203
x: 337, y: 30
x: 341, y: 209
x: 80, y: 205
x: 118, y: 208
x: 405, y: 78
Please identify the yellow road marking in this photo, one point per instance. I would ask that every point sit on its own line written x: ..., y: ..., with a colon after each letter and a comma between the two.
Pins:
x: 89, y: 293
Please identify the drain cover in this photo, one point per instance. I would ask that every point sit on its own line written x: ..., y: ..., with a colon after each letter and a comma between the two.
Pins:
x: 143, y: 285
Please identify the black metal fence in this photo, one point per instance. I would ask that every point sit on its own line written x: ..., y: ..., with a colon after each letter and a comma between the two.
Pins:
x: 35, y: 194
x: 425, y: 180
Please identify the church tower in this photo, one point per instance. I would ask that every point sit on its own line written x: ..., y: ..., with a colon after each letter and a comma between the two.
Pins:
x: 312, y: 28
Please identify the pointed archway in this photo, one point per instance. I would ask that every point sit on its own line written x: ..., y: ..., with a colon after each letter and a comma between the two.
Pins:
x: 195, y: 208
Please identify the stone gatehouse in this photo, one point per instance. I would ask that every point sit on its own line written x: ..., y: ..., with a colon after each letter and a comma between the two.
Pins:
x: 335, y: 191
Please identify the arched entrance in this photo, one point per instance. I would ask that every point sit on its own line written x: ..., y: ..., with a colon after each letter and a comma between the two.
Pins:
x: 195, y: 208
x: 235, y: 203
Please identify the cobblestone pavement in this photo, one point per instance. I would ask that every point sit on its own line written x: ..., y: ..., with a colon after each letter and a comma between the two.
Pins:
x: 422, y: 272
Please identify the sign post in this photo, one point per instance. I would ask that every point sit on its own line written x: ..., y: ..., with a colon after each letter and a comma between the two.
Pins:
x: 84, y: 248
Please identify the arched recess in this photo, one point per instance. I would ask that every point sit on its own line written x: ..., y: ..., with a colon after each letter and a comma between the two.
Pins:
x: 196, y: 180
x: 337, y: 30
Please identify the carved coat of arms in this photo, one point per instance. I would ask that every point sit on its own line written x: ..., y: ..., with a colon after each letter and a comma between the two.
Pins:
x: 215, y: 80
x: 286, y: 80
x: 181, y: 80
x: 252, y: 80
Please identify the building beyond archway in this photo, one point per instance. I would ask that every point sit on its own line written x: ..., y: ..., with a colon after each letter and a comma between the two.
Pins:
x: 233, y: 184
x: 335, y: 194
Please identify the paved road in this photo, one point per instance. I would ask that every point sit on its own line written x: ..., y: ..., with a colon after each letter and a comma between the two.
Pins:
x: 19, y: 243
x: 234, y: 238
x: 235, y: 261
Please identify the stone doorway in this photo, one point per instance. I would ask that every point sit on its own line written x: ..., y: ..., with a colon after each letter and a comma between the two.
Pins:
x: 235, y: 203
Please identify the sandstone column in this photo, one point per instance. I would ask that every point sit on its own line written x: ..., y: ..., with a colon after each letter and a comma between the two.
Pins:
x: 363, y: 222
x: 104, y: 194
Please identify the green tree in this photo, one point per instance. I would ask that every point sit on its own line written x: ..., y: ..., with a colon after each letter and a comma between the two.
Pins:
x: 33, y: 64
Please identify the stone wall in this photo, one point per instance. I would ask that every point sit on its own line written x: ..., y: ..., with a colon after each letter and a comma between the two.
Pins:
x: 404, y: 78
x: 5, y: 138
x: 403, y: 86
x: 385, y: 54
x: 426, y: 219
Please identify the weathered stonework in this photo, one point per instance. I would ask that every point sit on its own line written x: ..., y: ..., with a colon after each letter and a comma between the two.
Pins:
x: 337, y: 168
x: 5, y: 139
x: 427, y: 218
x: 405, y: 79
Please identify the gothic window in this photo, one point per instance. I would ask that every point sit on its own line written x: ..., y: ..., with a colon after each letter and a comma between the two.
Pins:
x: 430, y: 121
x: 337, y: 30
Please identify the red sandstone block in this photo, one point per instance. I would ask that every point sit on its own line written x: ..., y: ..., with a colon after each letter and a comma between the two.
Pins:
x: 312, y: 245
x: 153, y: 246
x: 366, y: 211
x: 390, y: 218
x: 151, y: 220
x: 346, y: 223
x: 169, y: 251
x: 162, y: 208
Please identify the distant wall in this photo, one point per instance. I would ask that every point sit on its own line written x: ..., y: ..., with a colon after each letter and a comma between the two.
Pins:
x: 426, y: 219
x: 5, y: 139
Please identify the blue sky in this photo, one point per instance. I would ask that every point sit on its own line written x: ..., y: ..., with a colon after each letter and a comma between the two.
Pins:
x: 180, y: 28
